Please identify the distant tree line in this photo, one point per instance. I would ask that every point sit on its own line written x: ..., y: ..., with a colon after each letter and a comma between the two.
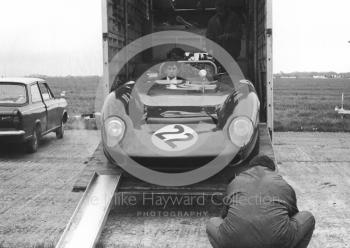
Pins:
x: 329, y: 74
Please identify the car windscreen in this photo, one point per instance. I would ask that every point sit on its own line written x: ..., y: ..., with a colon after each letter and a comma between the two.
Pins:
x: 12, y: 94
x: 188, y: 79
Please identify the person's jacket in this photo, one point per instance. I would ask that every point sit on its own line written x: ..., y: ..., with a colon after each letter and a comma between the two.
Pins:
x: 261, y: 204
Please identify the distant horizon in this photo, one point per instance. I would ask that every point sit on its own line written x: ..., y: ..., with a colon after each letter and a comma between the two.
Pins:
x: 316, y: 72
x: 96, y: 75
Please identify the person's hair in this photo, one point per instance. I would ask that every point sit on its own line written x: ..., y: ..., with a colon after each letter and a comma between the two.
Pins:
x: 263, y: 160
x: 170, y: 63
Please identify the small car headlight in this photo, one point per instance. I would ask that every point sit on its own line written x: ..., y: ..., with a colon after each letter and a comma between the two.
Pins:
x: 240, y: 131
x: 115, y: 129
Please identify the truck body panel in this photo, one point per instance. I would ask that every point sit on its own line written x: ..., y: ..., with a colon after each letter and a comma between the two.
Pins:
x: 124, y: 21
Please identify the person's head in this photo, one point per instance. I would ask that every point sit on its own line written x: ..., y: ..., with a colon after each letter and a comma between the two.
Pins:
x: 171, y: 69
x: 222, y: 8
x: 264, y: 161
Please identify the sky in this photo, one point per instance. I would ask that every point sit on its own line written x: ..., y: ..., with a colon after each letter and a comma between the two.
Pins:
x: 311, y: 35
x: 63, y: 37
x: 50, y: 37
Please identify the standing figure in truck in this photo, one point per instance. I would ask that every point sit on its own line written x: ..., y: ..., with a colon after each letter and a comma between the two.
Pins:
x: 225, y: 29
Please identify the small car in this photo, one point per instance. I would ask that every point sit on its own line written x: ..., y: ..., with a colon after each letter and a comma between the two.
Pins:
x: 171, y: 126
x: 29, y: 110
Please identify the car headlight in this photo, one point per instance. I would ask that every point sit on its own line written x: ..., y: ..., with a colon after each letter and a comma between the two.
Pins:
x: 240, y: 131
x: 115, y: 129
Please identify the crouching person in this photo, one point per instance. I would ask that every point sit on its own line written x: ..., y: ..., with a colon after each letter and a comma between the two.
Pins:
x: 260, y: 212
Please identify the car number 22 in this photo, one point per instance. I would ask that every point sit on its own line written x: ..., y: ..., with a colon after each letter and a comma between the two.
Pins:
x: 176, y: 137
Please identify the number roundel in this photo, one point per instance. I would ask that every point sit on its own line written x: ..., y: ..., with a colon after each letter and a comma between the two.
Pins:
x: 174, y: 138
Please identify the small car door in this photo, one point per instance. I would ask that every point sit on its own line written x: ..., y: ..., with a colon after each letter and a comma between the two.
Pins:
x: 51, y: 106
x: 38, y: 108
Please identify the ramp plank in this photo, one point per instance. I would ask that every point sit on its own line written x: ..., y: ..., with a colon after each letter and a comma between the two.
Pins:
x: 87, y: 222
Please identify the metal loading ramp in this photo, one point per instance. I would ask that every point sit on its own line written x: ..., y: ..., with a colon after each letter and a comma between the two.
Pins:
x: 85, y: 226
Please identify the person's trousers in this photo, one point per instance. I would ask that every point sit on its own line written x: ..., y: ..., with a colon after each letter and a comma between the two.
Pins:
x: 305, y: 224
x: 214, y: 234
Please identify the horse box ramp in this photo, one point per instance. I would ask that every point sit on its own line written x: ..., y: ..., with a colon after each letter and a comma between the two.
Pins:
x: 88, y: 219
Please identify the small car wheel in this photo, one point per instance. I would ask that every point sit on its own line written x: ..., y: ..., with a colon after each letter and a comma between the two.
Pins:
x: 33, y: 144
x: 60, y: 131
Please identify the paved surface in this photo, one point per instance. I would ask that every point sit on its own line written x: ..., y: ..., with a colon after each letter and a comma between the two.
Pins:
x: 317, y: 165
x: 36, y: 198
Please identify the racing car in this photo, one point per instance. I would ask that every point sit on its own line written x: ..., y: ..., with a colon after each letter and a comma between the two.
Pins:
x: 180, y: 125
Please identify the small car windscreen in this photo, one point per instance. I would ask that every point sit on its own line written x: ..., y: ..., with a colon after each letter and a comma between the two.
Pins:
x: 12, y: 94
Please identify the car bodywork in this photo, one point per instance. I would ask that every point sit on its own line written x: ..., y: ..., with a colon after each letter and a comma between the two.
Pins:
x: 33, y: 108
x: 180, y: 127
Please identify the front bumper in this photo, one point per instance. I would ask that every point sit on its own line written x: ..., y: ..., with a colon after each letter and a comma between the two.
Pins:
x: 12, y: 133
x: 236, y: 157
x: 11, y: 136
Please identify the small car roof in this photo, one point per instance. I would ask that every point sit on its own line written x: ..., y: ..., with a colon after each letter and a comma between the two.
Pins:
x: 23, y: 80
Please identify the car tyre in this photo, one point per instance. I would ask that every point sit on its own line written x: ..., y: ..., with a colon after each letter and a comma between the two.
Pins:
x: 33, y: 144
x: 60, y: 131
x: 256, y: 149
